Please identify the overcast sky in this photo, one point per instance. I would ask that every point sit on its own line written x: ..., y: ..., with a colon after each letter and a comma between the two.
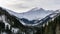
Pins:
x: 20, y: 6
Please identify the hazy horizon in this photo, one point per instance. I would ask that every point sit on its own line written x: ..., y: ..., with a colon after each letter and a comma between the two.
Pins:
x: 20, y: 6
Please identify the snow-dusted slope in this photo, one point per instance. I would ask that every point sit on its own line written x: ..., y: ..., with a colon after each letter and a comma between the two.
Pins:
x: 34, y: 16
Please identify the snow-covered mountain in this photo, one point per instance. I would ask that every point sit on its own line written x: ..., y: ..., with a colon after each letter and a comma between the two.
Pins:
x: 33, y: 16
x: 13, y: 23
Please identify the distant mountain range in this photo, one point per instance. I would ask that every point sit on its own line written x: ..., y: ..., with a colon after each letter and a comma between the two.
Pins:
x: 27, y: 22
x: 33, y: 16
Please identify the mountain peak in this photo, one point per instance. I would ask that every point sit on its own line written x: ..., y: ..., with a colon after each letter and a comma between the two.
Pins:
x: 41, y: 9
x: 37, y: 9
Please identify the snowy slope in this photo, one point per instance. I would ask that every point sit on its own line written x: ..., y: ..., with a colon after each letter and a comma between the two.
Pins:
x: 36, y: 14
x: 32, y: 14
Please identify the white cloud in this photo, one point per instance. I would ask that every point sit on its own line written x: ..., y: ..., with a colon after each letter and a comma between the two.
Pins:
x: 23, y: 5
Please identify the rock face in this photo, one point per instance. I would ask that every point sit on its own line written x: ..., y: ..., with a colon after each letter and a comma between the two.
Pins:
x: 10, y: 24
